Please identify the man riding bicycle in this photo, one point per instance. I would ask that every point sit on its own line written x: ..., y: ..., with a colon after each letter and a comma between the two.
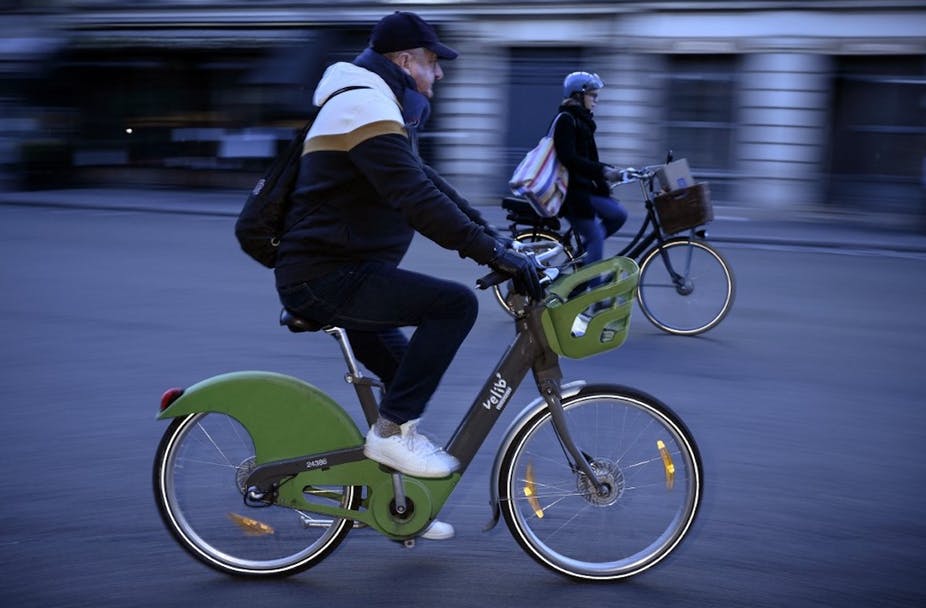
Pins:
x: 361, y: 194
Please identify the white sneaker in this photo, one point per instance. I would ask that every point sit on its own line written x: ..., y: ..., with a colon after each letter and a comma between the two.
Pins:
x: 438, y: 530
x: 409, y: 453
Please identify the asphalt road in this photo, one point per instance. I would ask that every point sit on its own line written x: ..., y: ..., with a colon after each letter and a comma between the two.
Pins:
x: 807, y: 403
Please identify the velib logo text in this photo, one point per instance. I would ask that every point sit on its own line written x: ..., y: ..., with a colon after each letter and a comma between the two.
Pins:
x: 498, y: 394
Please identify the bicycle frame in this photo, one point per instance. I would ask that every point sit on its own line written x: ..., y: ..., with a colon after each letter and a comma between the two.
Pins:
x: 650, y: 232
x: 283, y: 480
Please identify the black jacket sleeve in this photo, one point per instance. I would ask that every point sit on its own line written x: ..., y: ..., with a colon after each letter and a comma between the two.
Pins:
x: 401, y: 181
x: 451, y: 193
x: 564, y: 140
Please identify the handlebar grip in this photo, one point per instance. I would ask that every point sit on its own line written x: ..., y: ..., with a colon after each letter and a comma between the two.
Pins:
x: 491, y: 279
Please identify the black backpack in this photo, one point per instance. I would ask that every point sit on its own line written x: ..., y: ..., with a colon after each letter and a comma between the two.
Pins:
x: 260, y: 224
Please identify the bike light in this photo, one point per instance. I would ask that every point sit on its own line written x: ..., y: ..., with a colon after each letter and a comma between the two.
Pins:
x: 667, y: 464
x: 169, y: 396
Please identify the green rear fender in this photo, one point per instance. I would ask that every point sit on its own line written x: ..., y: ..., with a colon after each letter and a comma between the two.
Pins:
x: 285, y: 416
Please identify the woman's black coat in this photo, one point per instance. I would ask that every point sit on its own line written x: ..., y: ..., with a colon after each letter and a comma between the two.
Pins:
x: 574, y: 140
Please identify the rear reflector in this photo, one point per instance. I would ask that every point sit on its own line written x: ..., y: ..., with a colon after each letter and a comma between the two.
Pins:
x: 169, y: 396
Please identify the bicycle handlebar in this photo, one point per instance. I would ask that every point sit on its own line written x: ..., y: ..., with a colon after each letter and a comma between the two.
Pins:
x: 547, y: 275
x: 631, y: 174
x: 491, y: 280
x: 549, y: 251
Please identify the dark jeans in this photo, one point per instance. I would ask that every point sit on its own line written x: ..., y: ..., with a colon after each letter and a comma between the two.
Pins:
x: 372, y: 301
x: 610, y: 216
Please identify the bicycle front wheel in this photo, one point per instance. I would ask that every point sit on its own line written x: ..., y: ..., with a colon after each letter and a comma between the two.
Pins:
x: 686, y: 287
x: 539, y: 241
x: 651, y: 477
x: 201, y: 465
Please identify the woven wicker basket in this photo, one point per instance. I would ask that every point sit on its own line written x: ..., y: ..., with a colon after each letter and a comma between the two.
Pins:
x: 686, y: 208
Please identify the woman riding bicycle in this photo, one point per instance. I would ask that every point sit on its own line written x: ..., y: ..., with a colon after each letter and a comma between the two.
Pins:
x: 588, y: 205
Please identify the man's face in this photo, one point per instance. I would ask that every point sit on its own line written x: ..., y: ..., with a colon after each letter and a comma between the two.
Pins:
x: 423, y: 66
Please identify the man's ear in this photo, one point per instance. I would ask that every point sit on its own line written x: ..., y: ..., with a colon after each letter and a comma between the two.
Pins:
x: 404, y: 61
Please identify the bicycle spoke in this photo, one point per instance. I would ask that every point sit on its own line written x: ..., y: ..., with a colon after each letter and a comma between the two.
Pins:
x: 224, y: 465
x: 218, y: 449
x: 551, y: 534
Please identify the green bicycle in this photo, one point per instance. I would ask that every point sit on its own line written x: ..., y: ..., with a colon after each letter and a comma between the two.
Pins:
x: 262, y: 475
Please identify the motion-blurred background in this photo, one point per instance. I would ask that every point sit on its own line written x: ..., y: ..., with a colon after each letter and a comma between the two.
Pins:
x: 785, y: 106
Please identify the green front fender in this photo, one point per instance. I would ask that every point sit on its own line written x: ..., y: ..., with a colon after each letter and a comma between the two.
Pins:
x: 285, y: 416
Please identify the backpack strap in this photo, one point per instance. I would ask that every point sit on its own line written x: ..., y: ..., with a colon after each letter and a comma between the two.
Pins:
x: 343, y: 90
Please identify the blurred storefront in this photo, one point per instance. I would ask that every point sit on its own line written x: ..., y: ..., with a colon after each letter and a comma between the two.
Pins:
x: 786, y: 105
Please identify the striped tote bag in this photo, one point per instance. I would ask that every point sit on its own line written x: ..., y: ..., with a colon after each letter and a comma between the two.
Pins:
x: 541, y: 178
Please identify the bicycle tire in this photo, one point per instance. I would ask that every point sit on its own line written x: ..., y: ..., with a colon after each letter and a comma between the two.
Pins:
x: 703, y: 297
x: 552, y: 510
x: 199, y: 470
x: 530, y: 235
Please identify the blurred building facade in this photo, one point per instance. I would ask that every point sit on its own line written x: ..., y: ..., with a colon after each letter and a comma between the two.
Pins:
x: 784, y: 105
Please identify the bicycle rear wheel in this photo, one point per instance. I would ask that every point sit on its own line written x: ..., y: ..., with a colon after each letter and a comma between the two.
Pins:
x: 692, y: 300
x: 539, y: 241
x: 650, y: 467
x: 199, y: 473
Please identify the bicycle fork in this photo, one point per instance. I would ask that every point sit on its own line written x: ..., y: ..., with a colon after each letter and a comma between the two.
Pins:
x: 548, y: 376
x: 581, y: 462
x: 682, y: 281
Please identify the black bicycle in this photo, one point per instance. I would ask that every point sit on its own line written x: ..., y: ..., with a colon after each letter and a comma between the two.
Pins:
x: 686, y: 286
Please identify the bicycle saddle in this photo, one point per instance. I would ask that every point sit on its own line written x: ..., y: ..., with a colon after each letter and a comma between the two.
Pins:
x: 297, y: 324
x: 520, y: 211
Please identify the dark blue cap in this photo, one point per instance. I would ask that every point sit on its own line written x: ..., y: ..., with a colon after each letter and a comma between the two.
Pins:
x: 402, y: 31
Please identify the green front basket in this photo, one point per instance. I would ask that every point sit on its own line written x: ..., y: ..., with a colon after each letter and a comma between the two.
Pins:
x: 605, y: 307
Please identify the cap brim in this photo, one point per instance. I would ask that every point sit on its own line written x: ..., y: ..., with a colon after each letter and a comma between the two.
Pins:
x: 442, y: 50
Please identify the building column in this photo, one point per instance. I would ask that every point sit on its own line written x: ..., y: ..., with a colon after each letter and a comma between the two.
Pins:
x: 630, y: 109
x: 473, y: 115
x: 781, y: 141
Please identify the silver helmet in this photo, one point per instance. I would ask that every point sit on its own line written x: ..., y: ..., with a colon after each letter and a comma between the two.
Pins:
x: 578, y: 83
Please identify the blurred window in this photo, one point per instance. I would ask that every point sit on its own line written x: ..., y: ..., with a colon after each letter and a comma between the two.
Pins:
x: 535, y: 84
x: 700, y: 120
x: 182, y: 111
x: 879, y: 122
x: 879, y: 133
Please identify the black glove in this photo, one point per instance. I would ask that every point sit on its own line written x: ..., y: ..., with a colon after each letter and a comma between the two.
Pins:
x: 506, y: 241
x: 522, y: 271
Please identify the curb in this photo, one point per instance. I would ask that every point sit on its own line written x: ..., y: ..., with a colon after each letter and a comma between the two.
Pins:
x: 220, y: 205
